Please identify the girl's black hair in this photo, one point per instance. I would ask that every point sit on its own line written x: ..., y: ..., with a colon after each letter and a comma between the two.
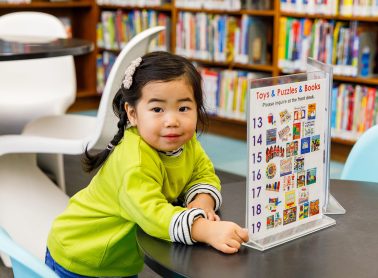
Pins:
x: 155, y: 66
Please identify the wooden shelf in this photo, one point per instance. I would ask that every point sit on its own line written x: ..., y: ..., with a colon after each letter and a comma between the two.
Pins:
x: 86, y: 93
x: 47, y: 5
x: 343, y: 141
x: 163, y: 8
x: 232, y: 65
x: 240, y: 12
x: 259, y: 12
x: 340, y: 150
x: 360, y: 80
x: 349, y: 79
x: 236, y: 129
x: 358, y: 18
x: 115, y: 51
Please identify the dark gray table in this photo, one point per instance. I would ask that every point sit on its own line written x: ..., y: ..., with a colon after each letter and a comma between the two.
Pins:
x: 348, y: 249
x: 22, y: 48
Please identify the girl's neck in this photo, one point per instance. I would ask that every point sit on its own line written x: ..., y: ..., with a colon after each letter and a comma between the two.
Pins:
x: 173, y: 153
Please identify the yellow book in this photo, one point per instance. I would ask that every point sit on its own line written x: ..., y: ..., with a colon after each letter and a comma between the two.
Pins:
x: 346, y: 7
x: 339, y: 107
x: 336, y: 31
x: 282, y: 40
x: 100, y: 34
x: 232, y: 25
x: 362, y: 118
x: 243, y: 98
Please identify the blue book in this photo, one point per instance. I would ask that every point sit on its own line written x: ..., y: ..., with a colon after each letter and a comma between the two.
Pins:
x: 334, y: 106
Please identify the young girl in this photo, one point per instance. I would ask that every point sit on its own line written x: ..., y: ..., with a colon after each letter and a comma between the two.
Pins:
x: 152, y: 164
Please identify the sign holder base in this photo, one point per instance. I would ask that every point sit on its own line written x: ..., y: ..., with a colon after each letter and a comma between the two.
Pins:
x: 291, y: 234
x: 333, y: 206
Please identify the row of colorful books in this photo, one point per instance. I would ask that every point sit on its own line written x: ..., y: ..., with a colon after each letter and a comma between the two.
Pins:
x: 133, y: 3
x: 358, y: 7
x: 226, y: 91
x: 104, y: 63
x: 354, y: 109
x: 224, y: 38
x: 332, y: 7
x: 228, y: 5
x: 349, y: 46
x: 116, y: 28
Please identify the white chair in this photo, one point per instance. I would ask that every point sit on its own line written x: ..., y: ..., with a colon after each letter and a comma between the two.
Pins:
x: 29, y: 201
x: 30, y: 89
x: 33, y: 88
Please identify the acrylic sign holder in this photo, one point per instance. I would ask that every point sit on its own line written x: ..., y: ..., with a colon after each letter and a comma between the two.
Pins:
x: 331, y: 205
x: 288, y: 150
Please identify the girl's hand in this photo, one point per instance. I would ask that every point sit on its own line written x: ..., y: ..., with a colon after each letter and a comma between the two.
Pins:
x: 222, y: 235
x: 206, y: 202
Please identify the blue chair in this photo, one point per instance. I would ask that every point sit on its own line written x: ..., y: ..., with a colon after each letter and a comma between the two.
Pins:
x: 24, y: 264
x: 362, y: 162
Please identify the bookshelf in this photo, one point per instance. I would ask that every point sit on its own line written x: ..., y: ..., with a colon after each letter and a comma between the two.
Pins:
x: 354, y: 91
x: 86, y: 14
x: 118, y: 23
x: 82, y: 15
x: 223, y: 124
x: 343, y: 141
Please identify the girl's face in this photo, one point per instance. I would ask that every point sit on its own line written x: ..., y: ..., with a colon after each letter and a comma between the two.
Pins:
x: 165, y: 115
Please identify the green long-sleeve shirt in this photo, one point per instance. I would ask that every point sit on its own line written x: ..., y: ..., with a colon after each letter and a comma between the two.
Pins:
x: 95, y: 235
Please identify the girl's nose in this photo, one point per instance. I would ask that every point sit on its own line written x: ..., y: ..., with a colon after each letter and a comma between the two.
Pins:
x: 171, y: 120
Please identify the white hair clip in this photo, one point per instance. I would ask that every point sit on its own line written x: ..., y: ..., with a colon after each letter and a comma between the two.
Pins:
x: 110, y: 147
x: 128, y: 80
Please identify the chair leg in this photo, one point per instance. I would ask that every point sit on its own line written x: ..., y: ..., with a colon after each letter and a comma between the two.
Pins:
x: 54, y: 164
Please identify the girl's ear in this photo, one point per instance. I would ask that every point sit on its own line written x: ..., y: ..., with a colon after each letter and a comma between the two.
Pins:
x: 131, y: 114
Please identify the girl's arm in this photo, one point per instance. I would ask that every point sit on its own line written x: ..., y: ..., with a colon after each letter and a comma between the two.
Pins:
x: 206, y: 202
x: 142, y: 202
x: 203, y: 190
x: 222, y: 235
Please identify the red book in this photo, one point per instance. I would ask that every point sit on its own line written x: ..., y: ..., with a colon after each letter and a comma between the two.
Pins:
x: 351, y: 93
x: 370, y: 107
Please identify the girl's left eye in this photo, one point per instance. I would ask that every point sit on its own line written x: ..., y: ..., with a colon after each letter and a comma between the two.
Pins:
x: 184, y: 109
x: 157, y: 109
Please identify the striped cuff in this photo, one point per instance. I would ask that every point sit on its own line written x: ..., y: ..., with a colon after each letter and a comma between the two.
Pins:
x: 204, y: 188
x: 180, y: 229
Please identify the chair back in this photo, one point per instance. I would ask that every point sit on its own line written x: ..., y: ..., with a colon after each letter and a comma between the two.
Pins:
x: 107, y: 121
x: 23, y: 83
x: 362, y: 163
x: 24, y: 264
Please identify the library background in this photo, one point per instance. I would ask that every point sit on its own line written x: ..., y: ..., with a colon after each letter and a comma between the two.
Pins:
x: 231, y: 41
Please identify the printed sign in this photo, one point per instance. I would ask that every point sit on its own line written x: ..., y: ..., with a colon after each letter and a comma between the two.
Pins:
x: 291, y: 190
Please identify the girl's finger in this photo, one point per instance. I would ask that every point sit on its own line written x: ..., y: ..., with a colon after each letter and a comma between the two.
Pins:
x: 234, y: 243
x: 242, y: 234
x: 225, y: 248
x: 210, y: 216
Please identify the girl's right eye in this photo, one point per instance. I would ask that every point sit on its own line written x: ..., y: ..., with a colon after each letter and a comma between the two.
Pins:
x: 157, y: 109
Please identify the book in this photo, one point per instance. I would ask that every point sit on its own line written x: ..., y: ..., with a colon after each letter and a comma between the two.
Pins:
x: 367, y: 50
x: 258, y: 35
